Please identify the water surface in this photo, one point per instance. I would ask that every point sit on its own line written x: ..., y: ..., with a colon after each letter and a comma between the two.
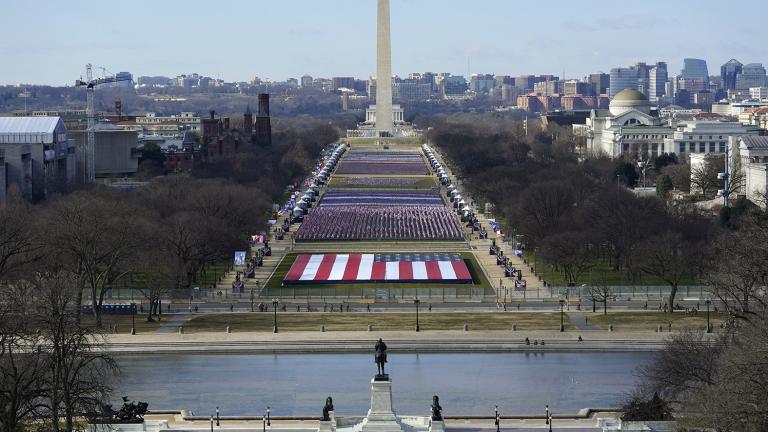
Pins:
x: 297, y: 385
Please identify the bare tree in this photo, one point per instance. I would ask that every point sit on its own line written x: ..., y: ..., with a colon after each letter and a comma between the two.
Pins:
x: 94, y: 235
x: 670, y: 258
x: 544, y: 207
x: 599, y: 291
x: 19, y: 243
x: 719, y: 383
x: 737, y: 270
x: 736, y: 401
x: 622, y: 221
x: 680, y: 174
x: 687, y: 364
x: 570, y: 252
x: 157, y: 277
x: 22, y: 367
x: 78, y: 370
x: 737, y: 179
x: 704, y: 177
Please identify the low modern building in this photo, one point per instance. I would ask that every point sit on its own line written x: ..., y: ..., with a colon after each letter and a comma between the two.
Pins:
x: 697, y: 137
x: 117, y: 151
x: 153, y: 124
x: 759, y: 93
x: 36, y: 156
x: 755, y: 117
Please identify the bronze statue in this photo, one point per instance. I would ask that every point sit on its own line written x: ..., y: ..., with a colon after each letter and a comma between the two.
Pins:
x: 381, y: 356
x: 130, y: 413
x: 437, y: 410
x: 327, y: 408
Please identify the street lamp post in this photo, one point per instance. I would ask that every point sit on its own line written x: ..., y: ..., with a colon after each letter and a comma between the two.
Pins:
x: 506, y: 290
x: 275, y: 302
x: 498, y: 419
x: 562, y: 325
x: 547, y: 417
x: 709, y: 326
x: 133, y: 320
x: 217, y: 417
x: 417, y: 302
x: 643, y: 165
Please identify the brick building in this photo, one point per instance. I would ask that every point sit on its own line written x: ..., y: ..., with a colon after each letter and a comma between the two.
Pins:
x: 538, y: 104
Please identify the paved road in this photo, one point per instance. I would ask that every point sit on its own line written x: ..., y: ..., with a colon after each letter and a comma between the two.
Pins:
x: 580, y: 321
x: 244, y: 305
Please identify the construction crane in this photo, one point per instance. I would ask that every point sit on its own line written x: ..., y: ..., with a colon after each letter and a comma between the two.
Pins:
x: 90, y: 85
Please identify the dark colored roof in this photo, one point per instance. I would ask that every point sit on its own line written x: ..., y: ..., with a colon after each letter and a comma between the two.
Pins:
x: 189, y: 138
x: 753, y: 141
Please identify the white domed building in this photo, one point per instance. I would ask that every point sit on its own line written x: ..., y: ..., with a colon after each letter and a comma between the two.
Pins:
x: 628, y: 127
x: 629, y: 100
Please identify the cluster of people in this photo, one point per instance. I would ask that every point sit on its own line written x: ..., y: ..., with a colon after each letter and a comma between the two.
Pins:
x: 333, y: 308
x: 535, y: 342
x: 380, y: 223
x: 238, y: 286
x: 504, y: 262
x: 472, y: 222
x: 263, y: 307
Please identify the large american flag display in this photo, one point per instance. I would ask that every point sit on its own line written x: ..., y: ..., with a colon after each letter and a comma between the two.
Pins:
x: 357, y: 268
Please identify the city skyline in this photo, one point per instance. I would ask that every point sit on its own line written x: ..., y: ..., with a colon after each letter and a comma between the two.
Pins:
x: 337, y: 41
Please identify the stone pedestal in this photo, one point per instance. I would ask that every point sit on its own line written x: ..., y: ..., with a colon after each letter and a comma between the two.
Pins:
x: 436, y: 426
x: 381, y: 417
x: 325, y: 426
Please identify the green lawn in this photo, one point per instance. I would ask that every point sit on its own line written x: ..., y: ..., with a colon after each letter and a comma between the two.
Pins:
x: 603, y: 271
x: 647, y: 321
x: 130, y: 289
x: 359, y: 321
x: 123, y: 323
x: 274, y: 287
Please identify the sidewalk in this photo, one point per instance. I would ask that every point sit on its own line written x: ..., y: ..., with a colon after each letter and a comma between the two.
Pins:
x: 398, y: 341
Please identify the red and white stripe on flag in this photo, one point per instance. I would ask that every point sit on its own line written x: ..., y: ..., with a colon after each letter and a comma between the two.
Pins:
x: 364, y: 268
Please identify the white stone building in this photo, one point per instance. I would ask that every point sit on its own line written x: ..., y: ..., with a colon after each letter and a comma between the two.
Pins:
x: 36, y: 156
x: 753, y: 151
x: 398, y: 116
x: 628, y: 127
x: 703, y: 137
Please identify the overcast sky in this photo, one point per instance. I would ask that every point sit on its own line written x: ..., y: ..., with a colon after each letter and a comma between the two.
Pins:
x: 49, y: 41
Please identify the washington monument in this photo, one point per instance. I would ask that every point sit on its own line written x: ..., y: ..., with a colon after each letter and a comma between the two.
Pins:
x: 384, y: 119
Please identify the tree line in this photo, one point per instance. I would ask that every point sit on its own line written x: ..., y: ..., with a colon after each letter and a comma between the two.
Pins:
x: 718, y: 383
x: 71, y: 250
x: 53, y: 374
x: 296, y: 146
x: 576, y: 213
x: 160, y: 237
